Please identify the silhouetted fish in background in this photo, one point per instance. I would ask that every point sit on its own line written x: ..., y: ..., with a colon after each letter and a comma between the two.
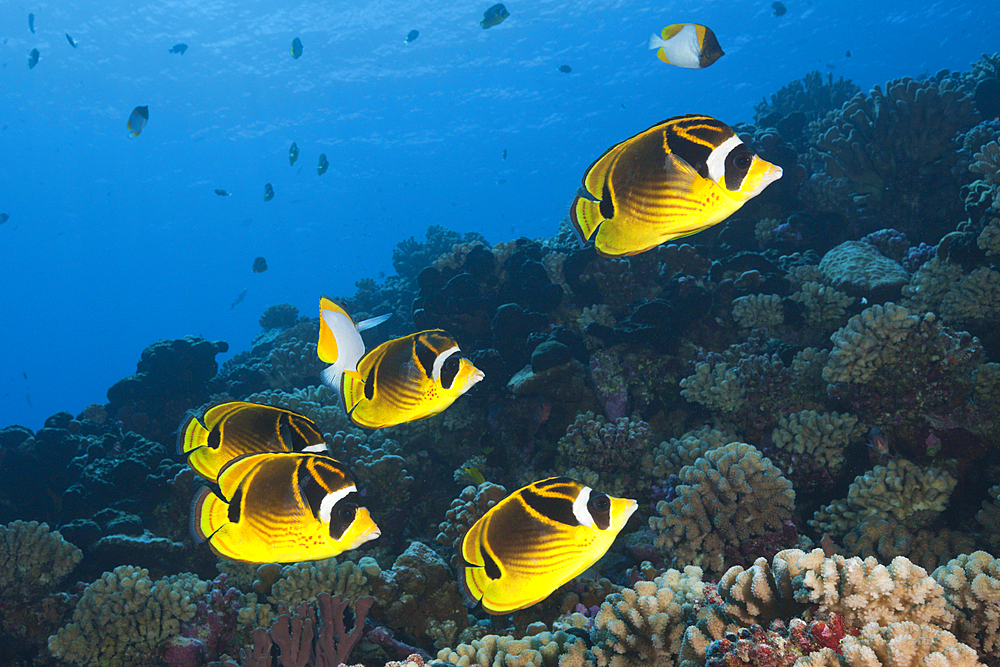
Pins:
x: 293, y: 153
x: 178, y: 48
x: 239, y: 298
x: 323, y: 164
x: 259, y: 265
x: 72, y: 42
x: 33, y: 58
x: 412, y: 35
x: 565, y: 69
x: 296, y: 48
x: 137, y: 120
x: 4, y: 218
x: 222, y: 193
x: 779, y: 9
x: 494, y: 15
x: 268, y: 192
x: 31, y: 23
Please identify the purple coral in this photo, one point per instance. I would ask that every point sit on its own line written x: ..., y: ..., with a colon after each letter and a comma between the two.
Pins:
x: 890, y: 243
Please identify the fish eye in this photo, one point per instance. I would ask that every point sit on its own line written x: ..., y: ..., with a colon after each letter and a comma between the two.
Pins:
x: 452, y: 363
x: 602, y: 503
x: 743, y: 160
x: 347, y: 513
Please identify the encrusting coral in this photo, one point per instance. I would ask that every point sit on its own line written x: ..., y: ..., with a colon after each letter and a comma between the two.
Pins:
x: 729, y: 503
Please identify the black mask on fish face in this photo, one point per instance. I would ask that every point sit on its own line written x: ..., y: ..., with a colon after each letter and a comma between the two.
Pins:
x: 343, y: 513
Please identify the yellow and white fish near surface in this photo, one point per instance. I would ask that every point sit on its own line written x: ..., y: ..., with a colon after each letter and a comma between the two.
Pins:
x: 536, y: 539
x: 401, y: 380
x: 282, y: 508
x: 229, y: 430
x: 676, y: 178
x: 688, y: 45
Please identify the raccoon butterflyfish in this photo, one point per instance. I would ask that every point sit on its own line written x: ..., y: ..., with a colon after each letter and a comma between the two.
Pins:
x: 494, y: 15
x: 229, y: 430
x: 268, y: 192
x: 401, y: 380
x: 137, y: 120
x: 282, y: 508
x: 178, y: 48
x: 410, y: 36
x: 687, y: 45
x: 323, y: 164
x: 536, y: 539
x: 33, y: 58
x: 296, y: 48
x: 677, y: 178
x: 259, y: 265
x: 293, y: 153
x: 72, y: 42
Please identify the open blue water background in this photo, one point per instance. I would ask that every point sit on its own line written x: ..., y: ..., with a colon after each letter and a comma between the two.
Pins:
x: 114, y: 242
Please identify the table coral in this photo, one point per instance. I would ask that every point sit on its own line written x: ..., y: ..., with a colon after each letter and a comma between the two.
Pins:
x: 644, y: 625
x: 125, y: 617
x: 901, y: 490
x: 727, y: 498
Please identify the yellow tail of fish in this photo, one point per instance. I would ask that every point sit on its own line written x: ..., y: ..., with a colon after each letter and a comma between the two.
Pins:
x: 209, y: 513
x: 586, y: 217
x: 193, y: 439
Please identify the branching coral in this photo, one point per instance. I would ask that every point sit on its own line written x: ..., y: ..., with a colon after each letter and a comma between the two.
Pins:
x: 971, y: 585
x: 546, y: 649
x: 823, y: 305
x: 896, y: 645
x: 33, y: 560
x: 125, y: 617
x: 472, y: 503
x: 758, y: 310
x: 725, y: 502
x: 644, y: 625
x: 620, y: 452
x: 900, y: 490
x: 885, y: 539
x: 813, y: 443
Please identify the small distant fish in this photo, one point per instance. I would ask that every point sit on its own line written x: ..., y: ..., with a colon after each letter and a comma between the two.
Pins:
x: 222, y: 193
x: 504, y: 156
x: 259, y: 265
x: 537, y: 539
x: 847, y: 55
x: 282, y: 507
x: 878, y: 441
x: 410, y: 36
x: 779, y: 9
x: 31, y: 23
x: 137, y: 120
x: 688, y: 45
x: 239, y: 298
x: 401, y: 380
x: 27, y: 395
x: 33, y: 58
x: 323, y: 164
x: 227, y: 431
x: 268, y: 192
x: 71, y: 41
x: 566, y: 69
x: 296, y: 48
x: 293, y: 153
x: 494, y: 15
x: 675, y: 179
x: 4, y: 218
x: 474, y: 474
x: 25, y: 374
x: 178, y: 48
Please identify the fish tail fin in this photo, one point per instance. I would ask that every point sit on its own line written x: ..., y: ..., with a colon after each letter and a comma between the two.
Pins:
x: 585, y: 214
x: 209, y: 513
x: 373, y: 321
x: 191, y: 435
x: 352, y: 390
x: 655, y: 42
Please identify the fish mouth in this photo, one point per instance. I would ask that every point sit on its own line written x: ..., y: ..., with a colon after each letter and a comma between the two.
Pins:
x: 474, y: 378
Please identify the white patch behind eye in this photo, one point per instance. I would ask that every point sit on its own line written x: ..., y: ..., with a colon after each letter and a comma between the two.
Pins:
x: 439, y: 361
x: 331, y: 499
x: 717, y: 159
x: 580, y: 510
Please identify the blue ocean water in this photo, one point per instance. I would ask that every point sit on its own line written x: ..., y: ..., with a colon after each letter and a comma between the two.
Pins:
x: 114, y: 242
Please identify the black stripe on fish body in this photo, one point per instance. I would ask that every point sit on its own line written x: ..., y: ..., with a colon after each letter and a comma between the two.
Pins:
x: 425, y: 355
x: 599, y: 507
x: 234, y: 511
x: 556, y: 481
x: 489, y: 565
x: 555, y: 507
x: 693, y: 138
x: 370, y: 382
x: 214, y: 440
x: 607, y: 207
x: 344, y: 513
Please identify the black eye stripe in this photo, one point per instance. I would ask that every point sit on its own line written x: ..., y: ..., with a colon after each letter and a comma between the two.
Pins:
x: 450, y: 368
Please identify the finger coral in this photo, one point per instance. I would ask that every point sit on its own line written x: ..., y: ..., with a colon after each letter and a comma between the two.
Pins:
x: 33, y: 560
x: 971, y: 585
x: 896, y: 645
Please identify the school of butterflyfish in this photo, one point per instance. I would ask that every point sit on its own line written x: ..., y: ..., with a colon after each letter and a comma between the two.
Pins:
x: 273, y: 493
